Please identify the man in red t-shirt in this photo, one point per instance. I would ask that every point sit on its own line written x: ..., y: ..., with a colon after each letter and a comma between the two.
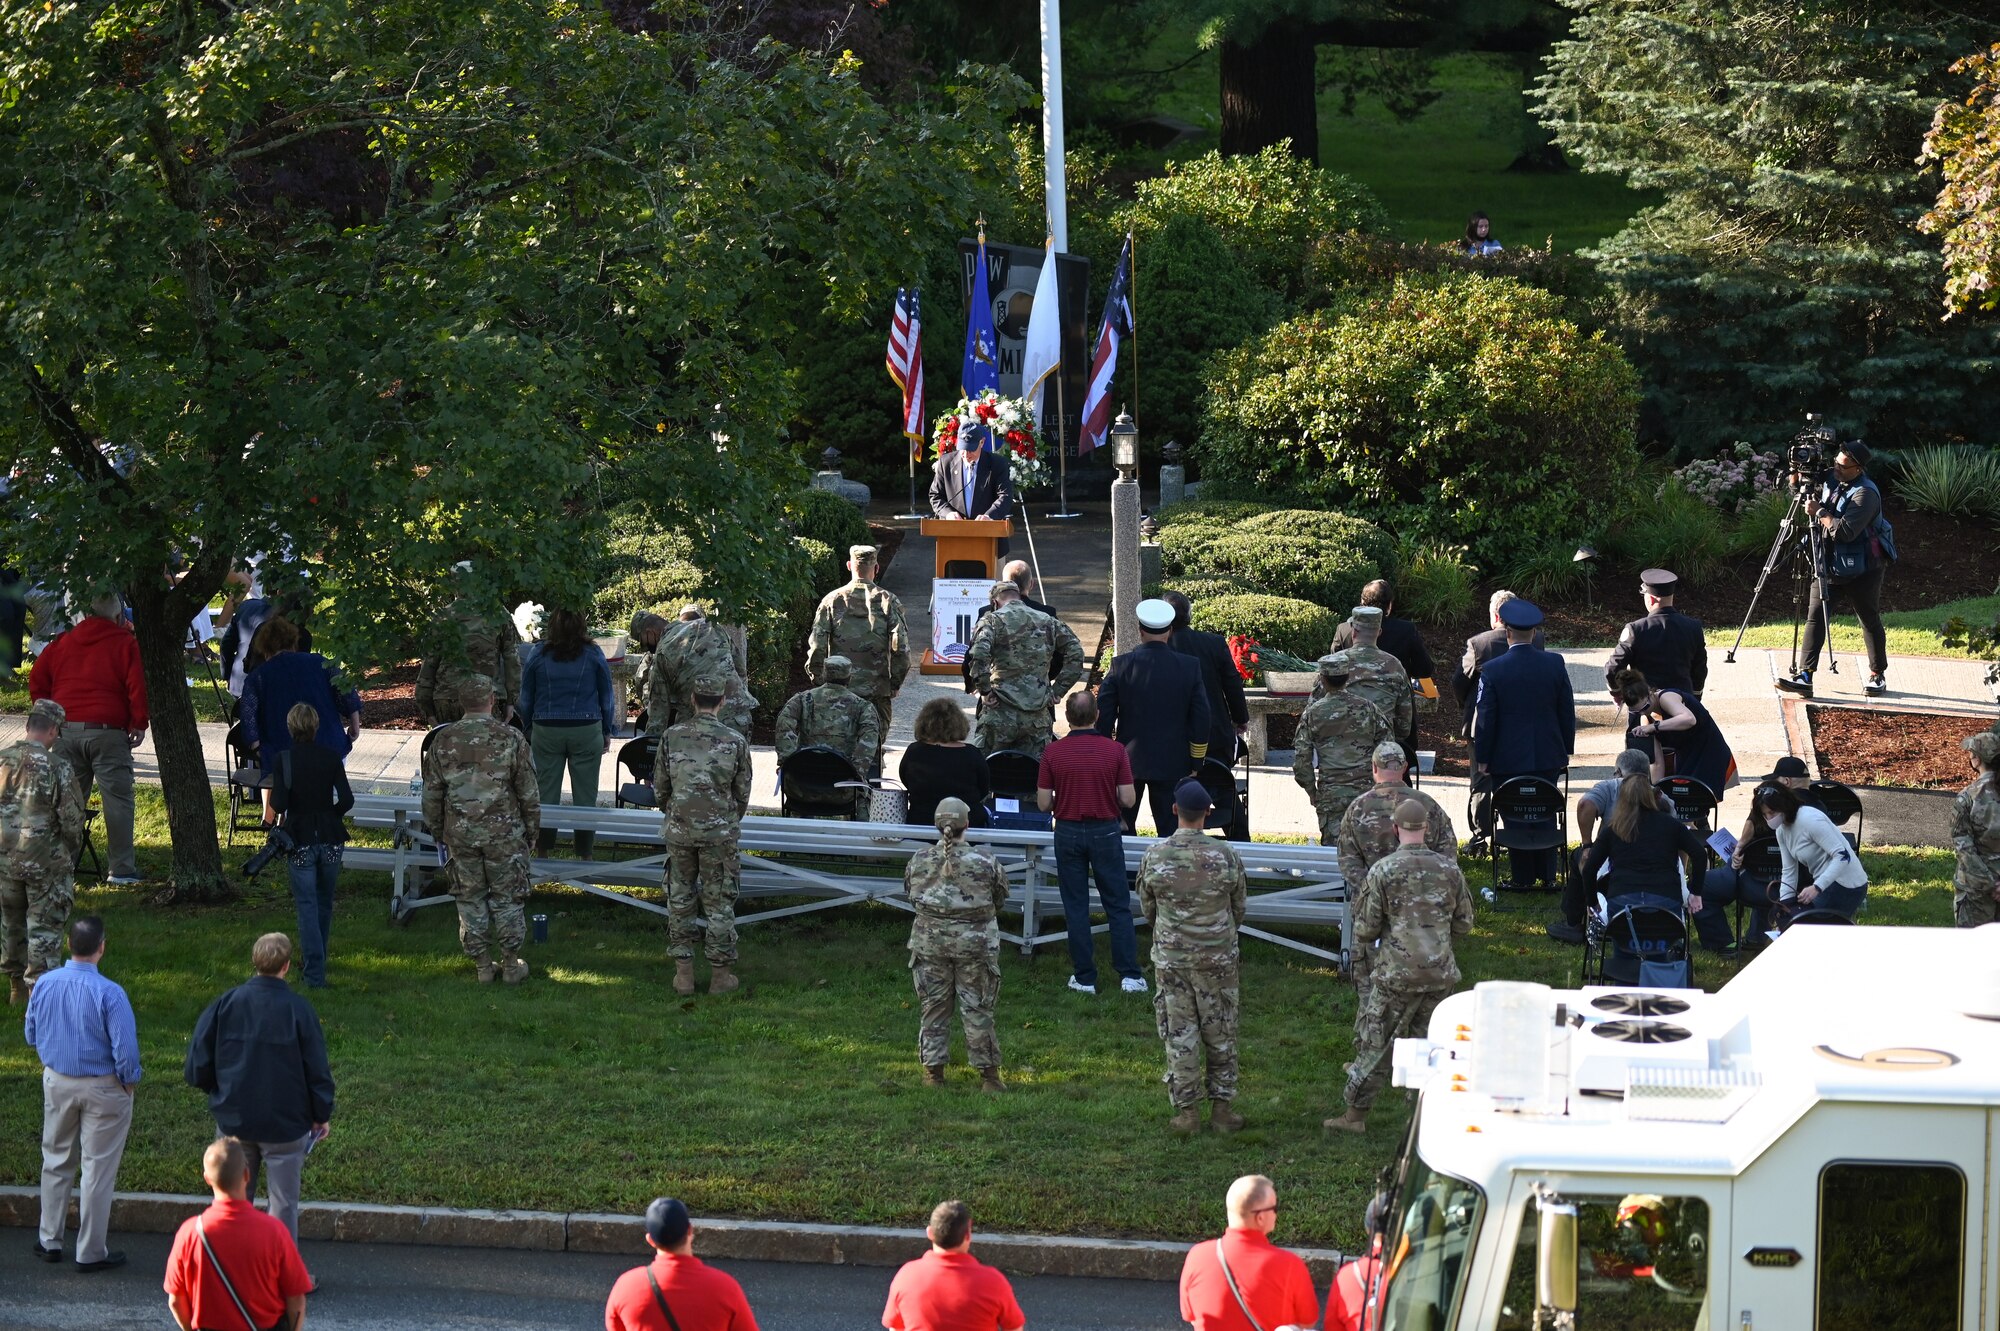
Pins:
x: 948, y: 1289
x: 93, y: 671
x: 701, y: 1297
x: 1085, y: 779
x: 1275, y: 1283
x: 253, y: 1250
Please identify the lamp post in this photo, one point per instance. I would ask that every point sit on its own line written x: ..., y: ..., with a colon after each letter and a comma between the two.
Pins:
x: 1587, y: 556
x: 1125, y: 578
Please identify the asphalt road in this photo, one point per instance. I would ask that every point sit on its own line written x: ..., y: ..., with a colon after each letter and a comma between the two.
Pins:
x: 374, y: 1287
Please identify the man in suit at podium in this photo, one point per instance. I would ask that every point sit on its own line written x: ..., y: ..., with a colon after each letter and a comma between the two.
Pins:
x: 973, y: 481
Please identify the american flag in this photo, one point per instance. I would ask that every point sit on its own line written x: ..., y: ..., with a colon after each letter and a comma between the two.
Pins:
x: 1104, y: 361
x: 906, y: 365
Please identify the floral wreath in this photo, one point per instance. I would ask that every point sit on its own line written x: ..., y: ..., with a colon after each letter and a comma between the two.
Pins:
x: 1009, y: 424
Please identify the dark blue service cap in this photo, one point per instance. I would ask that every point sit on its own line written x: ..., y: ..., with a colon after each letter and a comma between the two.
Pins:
x: 1519, y: 614
x: 1192, y: 796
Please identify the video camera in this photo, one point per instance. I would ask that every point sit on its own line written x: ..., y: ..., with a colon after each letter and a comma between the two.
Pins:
x: 278, y: 842
x: 1813, y: 448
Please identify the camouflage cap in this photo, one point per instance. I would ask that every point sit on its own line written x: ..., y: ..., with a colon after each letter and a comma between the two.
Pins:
x: 1366, y: 616
x: 1334, y: 667
x: 475, y: 691
x: 693, y: 610
x: 644, y: 622
x: 1006, y: 585
x: 857, y: 554
x: 710, y: 686
x: 1984, y: 746
x: 952, y: 816
x: 1388, y: 754
x: 1412, y: 816
x: 46, y: 712
x: 839, y: 669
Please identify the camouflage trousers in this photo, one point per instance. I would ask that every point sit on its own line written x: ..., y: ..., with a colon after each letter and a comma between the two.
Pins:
x: 1009, y: 728
x: 1386, y: 1014
x: 33, y: 911
x: 974, y: 984
x: 884, y: 704
x: 490, y: 890
x: 1195, y: 1009
x: 703, y: 877
x: 1973, y: 904
x: 1330, y: 801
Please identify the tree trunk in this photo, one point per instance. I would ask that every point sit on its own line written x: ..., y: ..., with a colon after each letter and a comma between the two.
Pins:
x: 1269, y: 92
x: 161, y: 625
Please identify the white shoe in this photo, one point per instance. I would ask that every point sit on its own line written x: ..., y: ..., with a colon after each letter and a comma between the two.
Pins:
x: 117, y: 880
x: 1133, y: 984
x: 1081, y: 987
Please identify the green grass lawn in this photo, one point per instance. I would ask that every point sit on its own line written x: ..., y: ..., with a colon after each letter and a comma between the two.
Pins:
x: 594, y: 1088
x: 1909, y: 632
x: 208, y: 703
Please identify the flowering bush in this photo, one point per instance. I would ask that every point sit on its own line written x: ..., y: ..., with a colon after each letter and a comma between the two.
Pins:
x: 1010, y: 425
x: 1732, y: 480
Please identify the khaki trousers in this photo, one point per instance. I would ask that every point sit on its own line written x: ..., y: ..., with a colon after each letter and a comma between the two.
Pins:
x: 84, y: 1119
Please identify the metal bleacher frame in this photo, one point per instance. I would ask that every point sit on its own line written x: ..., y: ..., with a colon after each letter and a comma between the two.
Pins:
x: 1290, y: 885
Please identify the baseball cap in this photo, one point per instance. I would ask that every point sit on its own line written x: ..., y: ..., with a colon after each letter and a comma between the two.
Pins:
x: 667, y: 1221
x: 1789, y: 767
x: 1411, y: 814
x: 952, y: 815
x: 46, y: 712
x: 1388, y: 754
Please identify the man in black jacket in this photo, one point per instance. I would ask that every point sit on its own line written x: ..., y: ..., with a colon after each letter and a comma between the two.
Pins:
x: 259, y: 1053
x: 1479, y: 649
x: 1228, y: 713
x: 1400, y: 637
x: 1152, y: 702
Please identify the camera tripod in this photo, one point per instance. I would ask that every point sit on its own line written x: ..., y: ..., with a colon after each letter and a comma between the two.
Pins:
x: 1799, y: 541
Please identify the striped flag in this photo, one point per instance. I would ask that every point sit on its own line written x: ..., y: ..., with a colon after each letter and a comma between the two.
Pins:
x: 906, y: 367
x: 1104, y: 361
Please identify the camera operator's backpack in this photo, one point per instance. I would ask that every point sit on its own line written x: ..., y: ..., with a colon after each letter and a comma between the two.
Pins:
x: 1882, y: 540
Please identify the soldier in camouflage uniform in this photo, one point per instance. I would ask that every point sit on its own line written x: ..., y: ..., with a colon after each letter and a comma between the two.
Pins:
x: 472, y: 637
x: 1337, y: 735
x: 695, y: 647
x: 1376, y: 675
x: 1192, y: 890
x: 706, y: 769
x: 1411, y: 907
x: 643, y: 648
x: 955, y: 947
x: 833, y: 715
x: 41, y: 826
x: 1019, y: 663
x: 482, y: 802
x: 863, y: 623
x: 1368, y: 835
x: 1975, y: 831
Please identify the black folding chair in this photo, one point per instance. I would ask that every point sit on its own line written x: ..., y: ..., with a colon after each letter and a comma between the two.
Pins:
x: 246, y: 786
x: 1529, y: 814
x: 809, y: 785
x: 637, y: 757
x: 1763, y: 865
x: 1635, y: 935
x: 1816, y: 915
x: 1691, y: 801
x: 88, y: 850
x: 1013, y: 776
x: 1231, y: 793
x: 1842, y: 805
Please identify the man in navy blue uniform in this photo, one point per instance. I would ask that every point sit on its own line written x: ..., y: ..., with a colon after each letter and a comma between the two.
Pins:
x: 1154, y: 703
x: 1524, y: 723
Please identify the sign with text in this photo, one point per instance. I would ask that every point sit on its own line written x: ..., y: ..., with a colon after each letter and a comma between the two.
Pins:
x: 955, y: 607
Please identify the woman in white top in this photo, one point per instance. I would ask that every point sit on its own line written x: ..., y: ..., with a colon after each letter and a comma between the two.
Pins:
x: 1821, y: 871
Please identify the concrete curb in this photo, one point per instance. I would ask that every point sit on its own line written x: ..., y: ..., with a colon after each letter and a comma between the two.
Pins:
x: 739, y: 1240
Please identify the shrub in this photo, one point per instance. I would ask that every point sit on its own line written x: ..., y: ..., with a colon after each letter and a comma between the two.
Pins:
x: 1675, y: 530
x: 1455, y: 408
x: 1298, y: 627
x: 1957, y: 481
x: 1735, y: 478
x: 1341, y: 264
x: 1185, y: 548
x: 822, y: 517
x: 1546, y: 571
x: 1307, y: 526
x: 1209, y: 511
x: 1757, y: 522
x: 1329, y: 573
x: 1434, y: 581
x: 1198, y: 590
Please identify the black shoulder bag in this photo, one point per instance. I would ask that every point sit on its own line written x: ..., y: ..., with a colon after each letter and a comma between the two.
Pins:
x: 672, y: 1322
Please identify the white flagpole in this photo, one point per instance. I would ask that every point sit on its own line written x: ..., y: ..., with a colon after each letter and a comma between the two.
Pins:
x: 1052, y: 122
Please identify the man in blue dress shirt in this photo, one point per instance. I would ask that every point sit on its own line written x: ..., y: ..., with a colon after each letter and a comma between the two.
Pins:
x: 82, y: 1027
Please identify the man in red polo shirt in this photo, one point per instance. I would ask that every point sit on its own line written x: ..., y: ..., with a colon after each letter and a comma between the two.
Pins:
x: 1085, y: 779
x: 700, y: 1297
x: 93, y: 671
x: 1275, y: 1285
x: 948, y: 1289
x: 245, y: 1251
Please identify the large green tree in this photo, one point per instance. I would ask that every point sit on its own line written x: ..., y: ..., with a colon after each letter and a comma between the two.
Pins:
x: 387, y: 283
x: 1785, y: 271
x: 1964, y: 140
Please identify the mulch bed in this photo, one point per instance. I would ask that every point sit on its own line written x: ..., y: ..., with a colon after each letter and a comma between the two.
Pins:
x: 1866, y: 747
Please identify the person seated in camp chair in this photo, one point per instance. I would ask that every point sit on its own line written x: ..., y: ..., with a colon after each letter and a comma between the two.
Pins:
x: 1637, y: 858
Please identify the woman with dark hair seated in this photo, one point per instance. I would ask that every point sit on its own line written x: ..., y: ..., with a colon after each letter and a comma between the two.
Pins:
x: 942, y: 764
x: 1822, y: 872
x: 1644, y: 847
x: 1478, y: 242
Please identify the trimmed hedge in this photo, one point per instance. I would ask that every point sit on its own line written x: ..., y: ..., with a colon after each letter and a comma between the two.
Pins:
x: 1198, y: 590
x: 1299, y: 627
x: 1326, y: 573
x: 1304, y: 554
x: 1318, y: 526
x: 1208, y: 511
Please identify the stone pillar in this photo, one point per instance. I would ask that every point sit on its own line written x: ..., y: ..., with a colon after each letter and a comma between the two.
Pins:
x: 1173, y: 484
x: 1150, y: 564
x: 1125, y: 581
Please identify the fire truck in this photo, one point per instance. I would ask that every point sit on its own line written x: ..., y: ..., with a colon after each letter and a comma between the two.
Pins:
x: 1812, y: 1147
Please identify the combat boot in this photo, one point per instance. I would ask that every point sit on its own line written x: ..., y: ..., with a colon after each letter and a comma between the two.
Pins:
x: 933, y: 1074
x: 722, y: 980
x: 17, y: 991
x: 683, y: 977
x: 513, y: 970
x: 989, y: 1079
x: 1354, y: 1121
x: 1222, y: 1118
x: 487, y: 970
x: 1187, y: 1122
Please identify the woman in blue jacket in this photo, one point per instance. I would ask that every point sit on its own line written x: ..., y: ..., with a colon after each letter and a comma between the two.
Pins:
x: 288, y: 677
x: 566, y: 700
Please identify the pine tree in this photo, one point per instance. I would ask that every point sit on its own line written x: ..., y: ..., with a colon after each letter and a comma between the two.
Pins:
x: 1785, y: 272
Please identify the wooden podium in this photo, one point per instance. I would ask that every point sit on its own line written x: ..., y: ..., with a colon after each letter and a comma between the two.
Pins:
x: 962, y: 543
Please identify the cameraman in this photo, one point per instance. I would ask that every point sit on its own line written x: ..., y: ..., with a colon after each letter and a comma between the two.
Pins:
x: 1848, y: 509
